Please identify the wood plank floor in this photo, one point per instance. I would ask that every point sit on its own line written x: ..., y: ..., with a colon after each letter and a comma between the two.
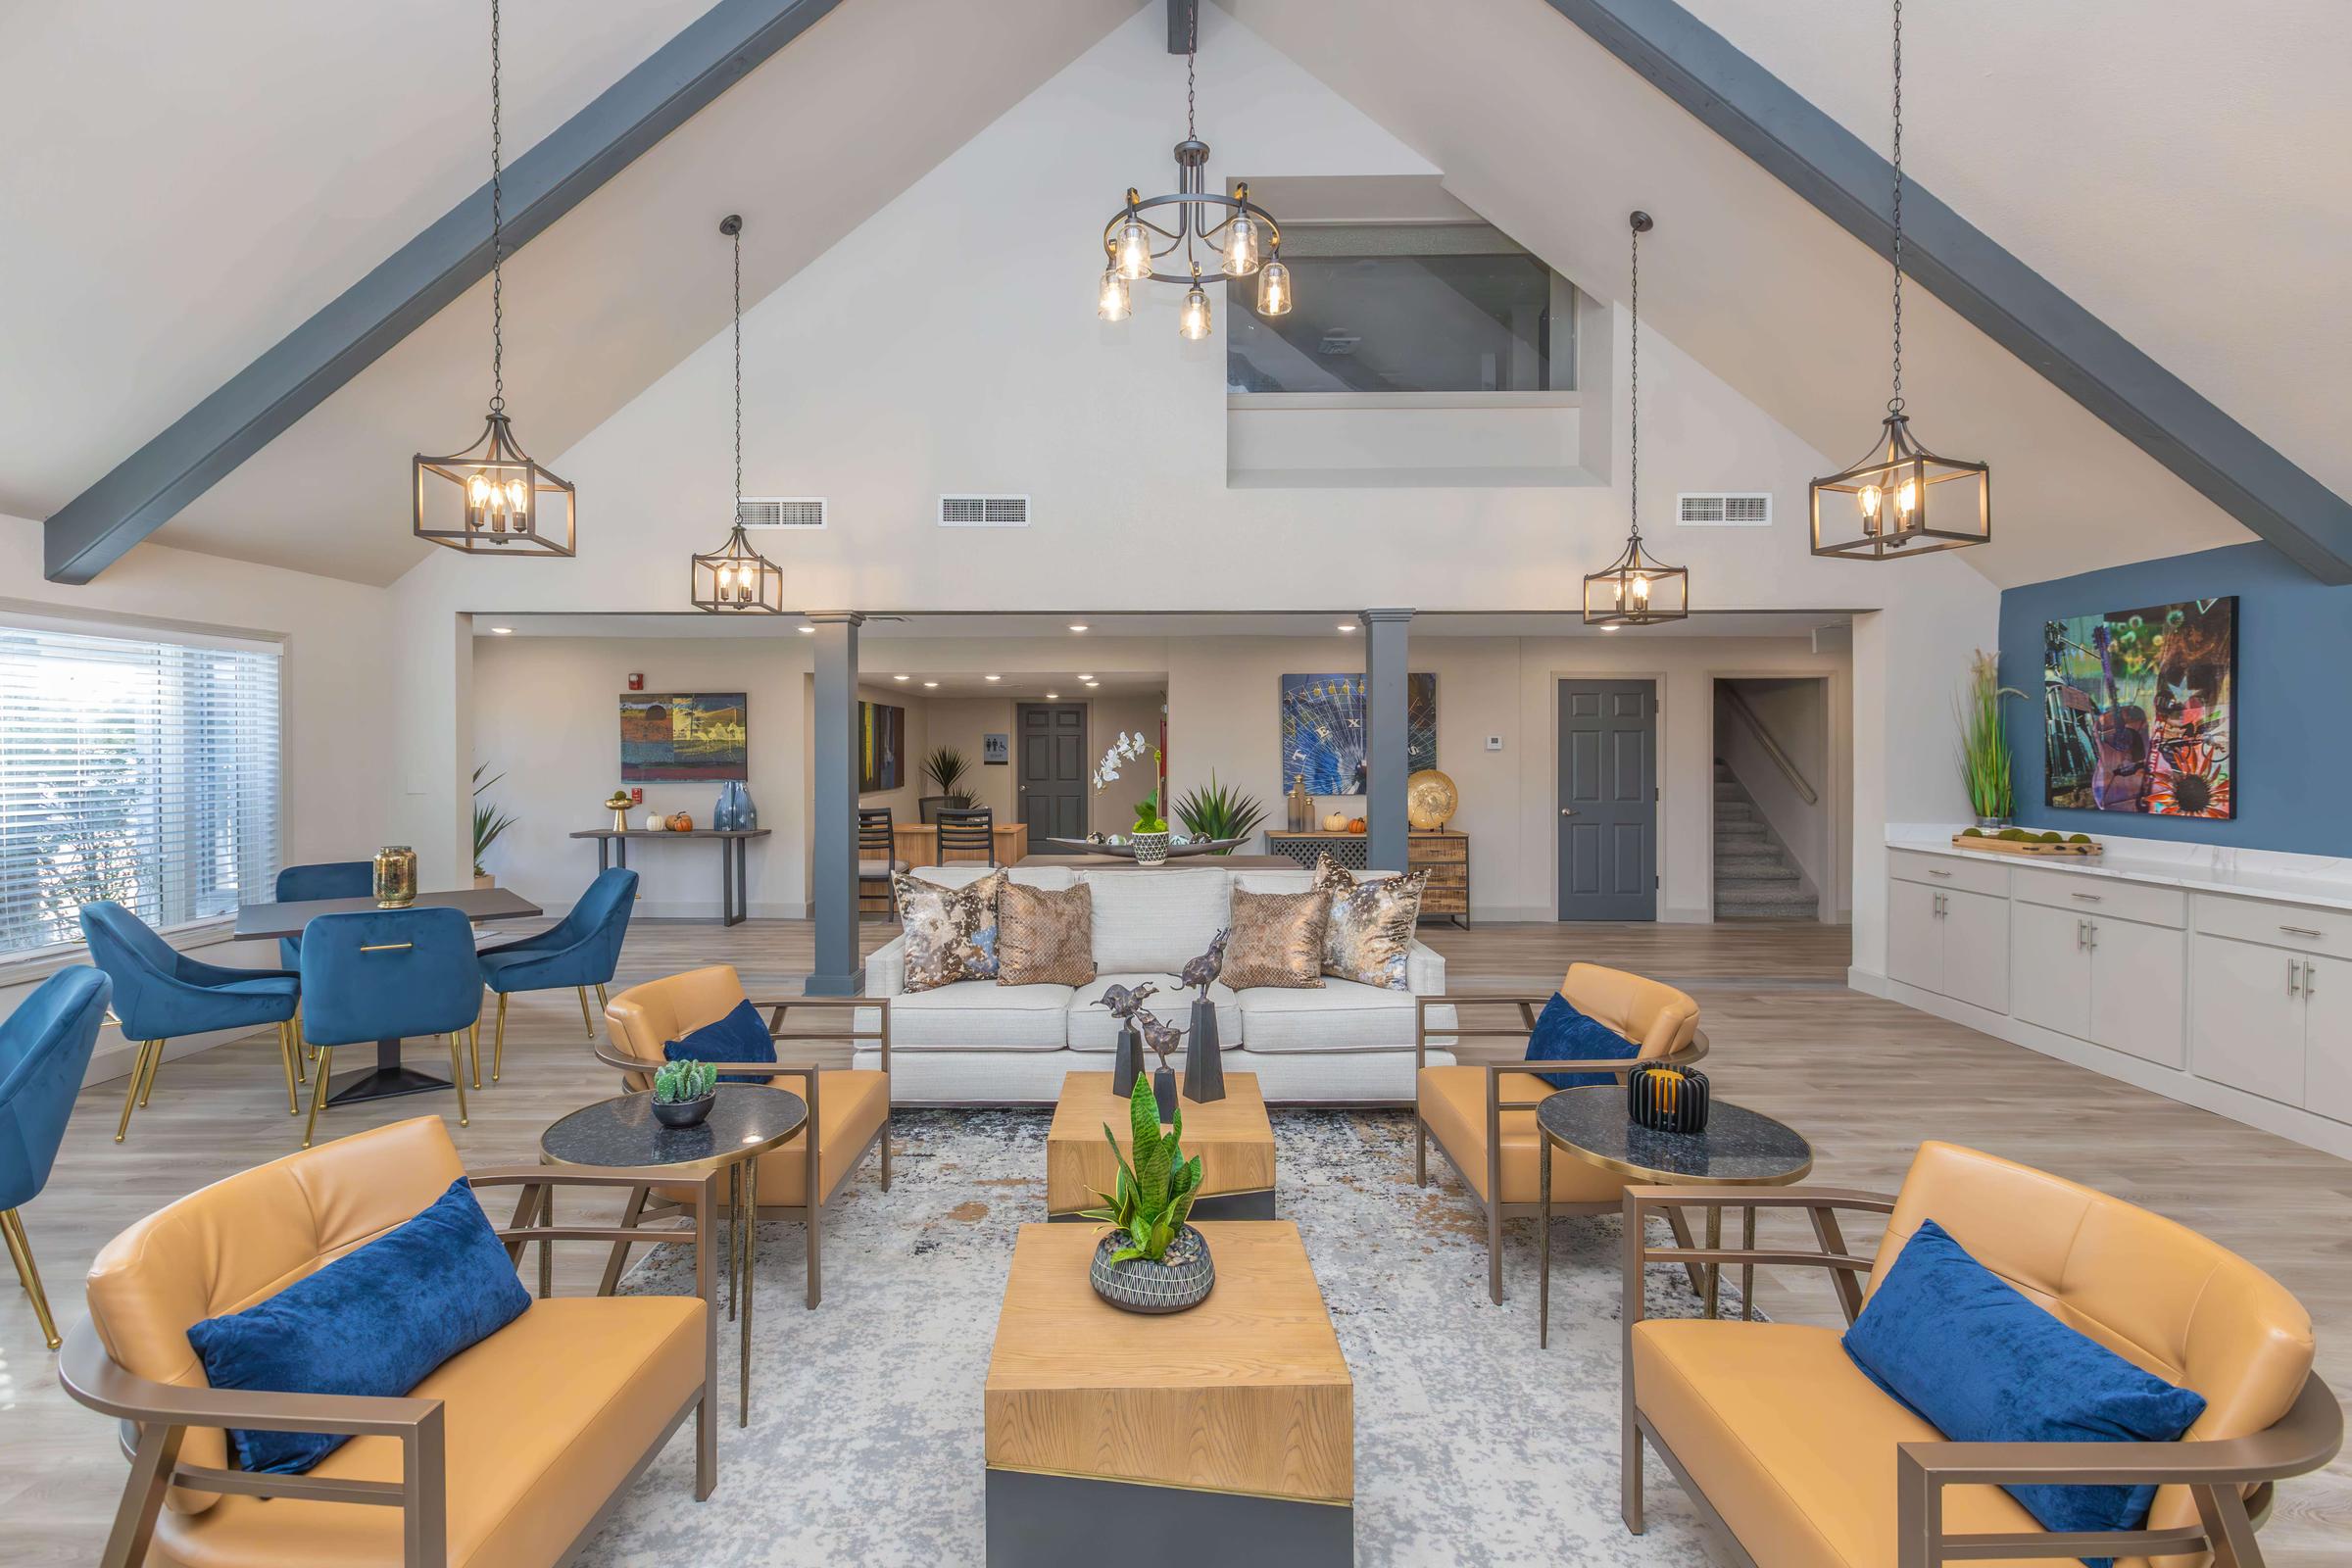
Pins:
x: 1866, y: 1079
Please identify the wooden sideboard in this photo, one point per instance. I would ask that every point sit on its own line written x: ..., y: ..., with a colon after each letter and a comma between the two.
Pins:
x: 1446, y: 854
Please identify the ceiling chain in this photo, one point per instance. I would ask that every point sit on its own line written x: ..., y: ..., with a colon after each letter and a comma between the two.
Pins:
x: 1895, y: 404
x: 1635, y: 475
x: 498, y: 345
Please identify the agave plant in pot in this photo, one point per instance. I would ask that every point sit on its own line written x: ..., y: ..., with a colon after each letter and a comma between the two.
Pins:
x: 684, y: 1093
x: 1152, y: 1260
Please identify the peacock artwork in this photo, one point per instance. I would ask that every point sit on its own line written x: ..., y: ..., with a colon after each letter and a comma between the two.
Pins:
x: 2140, y: 709
x: 1323, y: 731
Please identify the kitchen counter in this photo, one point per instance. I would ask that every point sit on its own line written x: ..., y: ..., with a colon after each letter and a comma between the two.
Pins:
x: 2311, y: 879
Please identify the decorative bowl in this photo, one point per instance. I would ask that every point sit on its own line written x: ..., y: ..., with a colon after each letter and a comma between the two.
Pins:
x: 1125, y: 848
x: 1140, y: 1285
x: 1430, y: 800
x: 684, y: 1112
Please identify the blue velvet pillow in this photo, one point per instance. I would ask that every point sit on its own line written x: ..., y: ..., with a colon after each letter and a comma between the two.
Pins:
x: 740, y: 1035
x: 1563, y: 1034
x: 375, y: 1320
x: 1959, y: 1344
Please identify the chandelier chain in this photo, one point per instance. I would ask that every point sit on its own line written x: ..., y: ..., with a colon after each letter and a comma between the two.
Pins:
x: 1634, y: 466
x: 1191, y: 55
x: 738, y: 238
x: 1894, y: 403
x: 497, y: 324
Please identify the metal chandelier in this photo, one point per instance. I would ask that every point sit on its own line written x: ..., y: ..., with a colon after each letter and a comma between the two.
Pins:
x: 1636, y: 589
x: 736, y: 579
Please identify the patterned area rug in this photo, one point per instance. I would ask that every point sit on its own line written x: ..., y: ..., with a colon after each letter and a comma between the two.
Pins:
x: 1472, y: 1446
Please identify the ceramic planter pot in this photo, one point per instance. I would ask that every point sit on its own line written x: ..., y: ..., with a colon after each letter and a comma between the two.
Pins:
x: 1139, y: 1285
x: 1150, y: 849
x: 684, y: 1112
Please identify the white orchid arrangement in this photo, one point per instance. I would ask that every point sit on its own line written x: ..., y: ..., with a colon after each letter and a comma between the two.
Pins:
x: 1133, y: 748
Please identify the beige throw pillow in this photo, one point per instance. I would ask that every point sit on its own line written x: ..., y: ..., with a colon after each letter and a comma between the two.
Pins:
x: 1277, y: 940
x: 1045, y: 937
x: 1370, y: 932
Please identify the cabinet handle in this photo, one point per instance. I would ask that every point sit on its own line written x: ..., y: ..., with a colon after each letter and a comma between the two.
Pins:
x: 2081, y: 933
x: 2294, y: 967
x: 1933, y: 872
x: 2094, y: 934
x: 2299, y: 931
x: 2086, y: 898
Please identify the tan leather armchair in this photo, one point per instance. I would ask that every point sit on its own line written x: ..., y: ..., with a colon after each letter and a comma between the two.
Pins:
x: 1799, y: 1460
x: 848, y: 1109
x: 507, y: 1455
x: 1484, y: 1117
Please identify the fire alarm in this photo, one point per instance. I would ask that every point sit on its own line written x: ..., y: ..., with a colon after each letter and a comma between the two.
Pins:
x: 636, y: 797
x: 636, y: 681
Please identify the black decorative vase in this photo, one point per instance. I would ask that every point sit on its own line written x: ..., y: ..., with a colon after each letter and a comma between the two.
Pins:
x: 1203, y: 1058
x: 1667, y: 1099
x: 1163, y: 1089
x: 1130, y: 1063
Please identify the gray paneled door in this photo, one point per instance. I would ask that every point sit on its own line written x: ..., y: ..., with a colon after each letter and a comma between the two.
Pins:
x: 1049, y: 758
x: 1608, y: 800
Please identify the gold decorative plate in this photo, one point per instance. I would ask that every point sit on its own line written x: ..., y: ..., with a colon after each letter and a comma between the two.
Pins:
x: 1430, y: 800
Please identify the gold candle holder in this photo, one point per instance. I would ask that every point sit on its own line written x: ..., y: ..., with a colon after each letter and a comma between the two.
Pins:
x: 395, y: 878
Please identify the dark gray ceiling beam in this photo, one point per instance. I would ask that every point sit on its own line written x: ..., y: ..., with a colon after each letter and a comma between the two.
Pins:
x: 1183, y: 17
x: 258, y: 404
x: 2018, y: 308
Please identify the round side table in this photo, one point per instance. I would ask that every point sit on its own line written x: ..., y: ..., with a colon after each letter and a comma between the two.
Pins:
x: 1739, y: 1147
x: 747, y: 1121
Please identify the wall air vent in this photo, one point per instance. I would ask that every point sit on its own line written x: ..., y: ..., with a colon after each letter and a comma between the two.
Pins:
x: 1732, y: 510
x: 781, y: 512
x: 984, y: 511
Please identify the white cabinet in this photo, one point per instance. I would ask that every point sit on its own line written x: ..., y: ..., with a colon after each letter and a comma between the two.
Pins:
x: 2248, y: 1026
x: 2328, y: 1037
x: 1949, y: 941
x: 2114, y: 982
x: 2051, y: 975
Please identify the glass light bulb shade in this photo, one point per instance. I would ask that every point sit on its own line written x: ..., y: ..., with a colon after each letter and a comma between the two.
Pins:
x: 1240, y: 246
x: 1194, y: 322
x: 1906, y: 500
x: 1133, y: 259
x: 1273, y: 289
x: 1868, y: 499
x: 1641, y: 588
x: 1111, y: 303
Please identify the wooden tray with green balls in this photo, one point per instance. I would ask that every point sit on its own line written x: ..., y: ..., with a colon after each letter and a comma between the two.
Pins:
x: 2027, y: 842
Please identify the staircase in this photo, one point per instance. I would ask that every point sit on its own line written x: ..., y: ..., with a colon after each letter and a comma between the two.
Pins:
x: 1755, y: 878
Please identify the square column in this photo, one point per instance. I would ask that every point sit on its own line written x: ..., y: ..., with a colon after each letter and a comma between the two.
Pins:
x: 1385, y: 755
x: 833, y: 809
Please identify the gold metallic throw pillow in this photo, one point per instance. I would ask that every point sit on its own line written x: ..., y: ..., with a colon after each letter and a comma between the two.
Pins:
x: 1371, y: 927
x: 1277, y: 940
x: 950, y: 932
x: 1045, y: 937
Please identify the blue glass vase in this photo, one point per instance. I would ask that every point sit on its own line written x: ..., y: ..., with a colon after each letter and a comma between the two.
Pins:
x: 734, y: 812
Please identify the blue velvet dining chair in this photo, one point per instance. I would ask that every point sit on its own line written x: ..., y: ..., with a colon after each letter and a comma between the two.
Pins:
x: 581, y: 950
x: 161, y: 994
x: 387, y: 974
x: 44, y: 1050
x: 326, y: 879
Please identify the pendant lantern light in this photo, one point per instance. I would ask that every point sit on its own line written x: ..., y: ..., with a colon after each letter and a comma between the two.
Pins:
x: 1900, y: 498
x: 493, y: 498
x: 1237, y: 237
x: 735, y: 579
x: 1636, y: 589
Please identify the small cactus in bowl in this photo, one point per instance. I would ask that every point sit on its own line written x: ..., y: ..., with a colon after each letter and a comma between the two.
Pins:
x: 684, y: 1093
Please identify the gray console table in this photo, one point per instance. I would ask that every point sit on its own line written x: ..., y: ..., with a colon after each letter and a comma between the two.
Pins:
x: 613, y: 849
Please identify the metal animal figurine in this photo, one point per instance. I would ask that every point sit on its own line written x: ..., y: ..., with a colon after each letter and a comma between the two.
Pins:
x: 1162, y: 1037
x: 1200, y: 971
x: 1123, y: 1001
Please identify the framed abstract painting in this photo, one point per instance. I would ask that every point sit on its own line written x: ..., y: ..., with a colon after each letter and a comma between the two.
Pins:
x: 1323, y: 731
x: 881, y: 747
x: 675, y: 736
x: 2140, y: 709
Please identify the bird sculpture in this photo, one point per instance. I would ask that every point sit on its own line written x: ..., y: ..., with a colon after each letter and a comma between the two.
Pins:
x: 1200, y: 972
x: 1123, y: 1001
x: 1162, y: 1037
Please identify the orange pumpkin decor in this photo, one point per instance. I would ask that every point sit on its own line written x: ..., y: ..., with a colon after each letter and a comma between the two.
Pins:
x: 1359, y: 825
x: 681, y: 821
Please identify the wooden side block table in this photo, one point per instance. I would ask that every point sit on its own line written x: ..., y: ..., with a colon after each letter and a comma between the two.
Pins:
x: 1223, y: 1434
x: 1444, y: 852
x: 1232, y: 1136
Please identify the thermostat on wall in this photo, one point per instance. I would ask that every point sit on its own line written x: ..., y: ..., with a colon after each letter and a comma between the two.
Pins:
x: 1493, y: 742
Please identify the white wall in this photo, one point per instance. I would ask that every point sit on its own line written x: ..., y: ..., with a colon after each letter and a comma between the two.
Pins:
x: 338, y: 729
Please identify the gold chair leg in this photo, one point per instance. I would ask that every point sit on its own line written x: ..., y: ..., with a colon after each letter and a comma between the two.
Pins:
x: 474, y: 1050
x: 326, y: 1063
x: 587, y: 1020
x: 20, y: 1248
x: 498, y: 1044
x: 138, y: 1076
x: 601, y: 1001
x: 285, y: 1058
x: 457, y: 1075
x: 155, y: 1060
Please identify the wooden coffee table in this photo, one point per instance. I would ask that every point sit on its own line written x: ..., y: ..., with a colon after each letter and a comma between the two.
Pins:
x: 1232, y: 1136
x: 1223, y: 1434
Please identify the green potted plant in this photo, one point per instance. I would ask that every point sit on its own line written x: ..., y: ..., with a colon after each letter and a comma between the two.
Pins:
x: 1215, y: 812
x: 945, y: 768
x: 1986, y: 764
x: 1152, y: 1260
x: 1149, y: 837
x: 488, y: 823
x: 684, y: 1093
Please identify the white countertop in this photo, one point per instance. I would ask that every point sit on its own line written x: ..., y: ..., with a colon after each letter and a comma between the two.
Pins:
x: 2314, y: 880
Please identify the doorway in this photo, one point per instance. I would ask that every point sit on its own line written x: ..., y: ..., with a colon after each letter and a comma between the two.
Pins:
x: 1608, y: 800
x: 1049, y: 741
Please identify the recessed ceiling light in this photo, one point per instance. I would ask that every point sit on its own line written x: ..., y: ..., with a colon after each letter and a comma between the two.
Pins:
x: 931, y: 683
x: 1346, y: 625
x: 502, y: 631
x: 1092, y: 684
x: 1085, y: 677
x: 901, y: 677
x: 1053, y: 697
x: 807, y: 631
x: 1077, y: 625
x: 1608, y: 625
x: 992, y: 677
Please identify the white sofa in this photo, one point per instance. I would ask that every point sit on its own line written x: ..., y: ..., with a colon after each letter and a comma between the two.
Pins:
x: 977, y: 1042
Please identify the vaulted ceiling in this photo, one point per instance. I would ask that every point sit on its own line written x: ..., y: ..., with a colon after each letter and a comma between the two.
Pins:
x: 186, y: 185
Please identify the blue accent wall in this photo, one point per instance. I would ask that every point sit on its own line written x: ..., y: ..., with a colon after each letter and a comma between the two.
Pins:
x: 2294, y: 696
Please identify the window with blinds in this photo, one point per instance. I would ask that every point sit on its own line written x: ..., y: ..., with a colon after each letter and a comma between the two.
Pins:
x: 131, y: 769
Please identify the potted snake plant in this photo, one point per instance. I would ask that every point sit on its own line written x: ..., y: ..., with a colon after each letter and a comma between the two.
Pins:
x: 1152, y: 1260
